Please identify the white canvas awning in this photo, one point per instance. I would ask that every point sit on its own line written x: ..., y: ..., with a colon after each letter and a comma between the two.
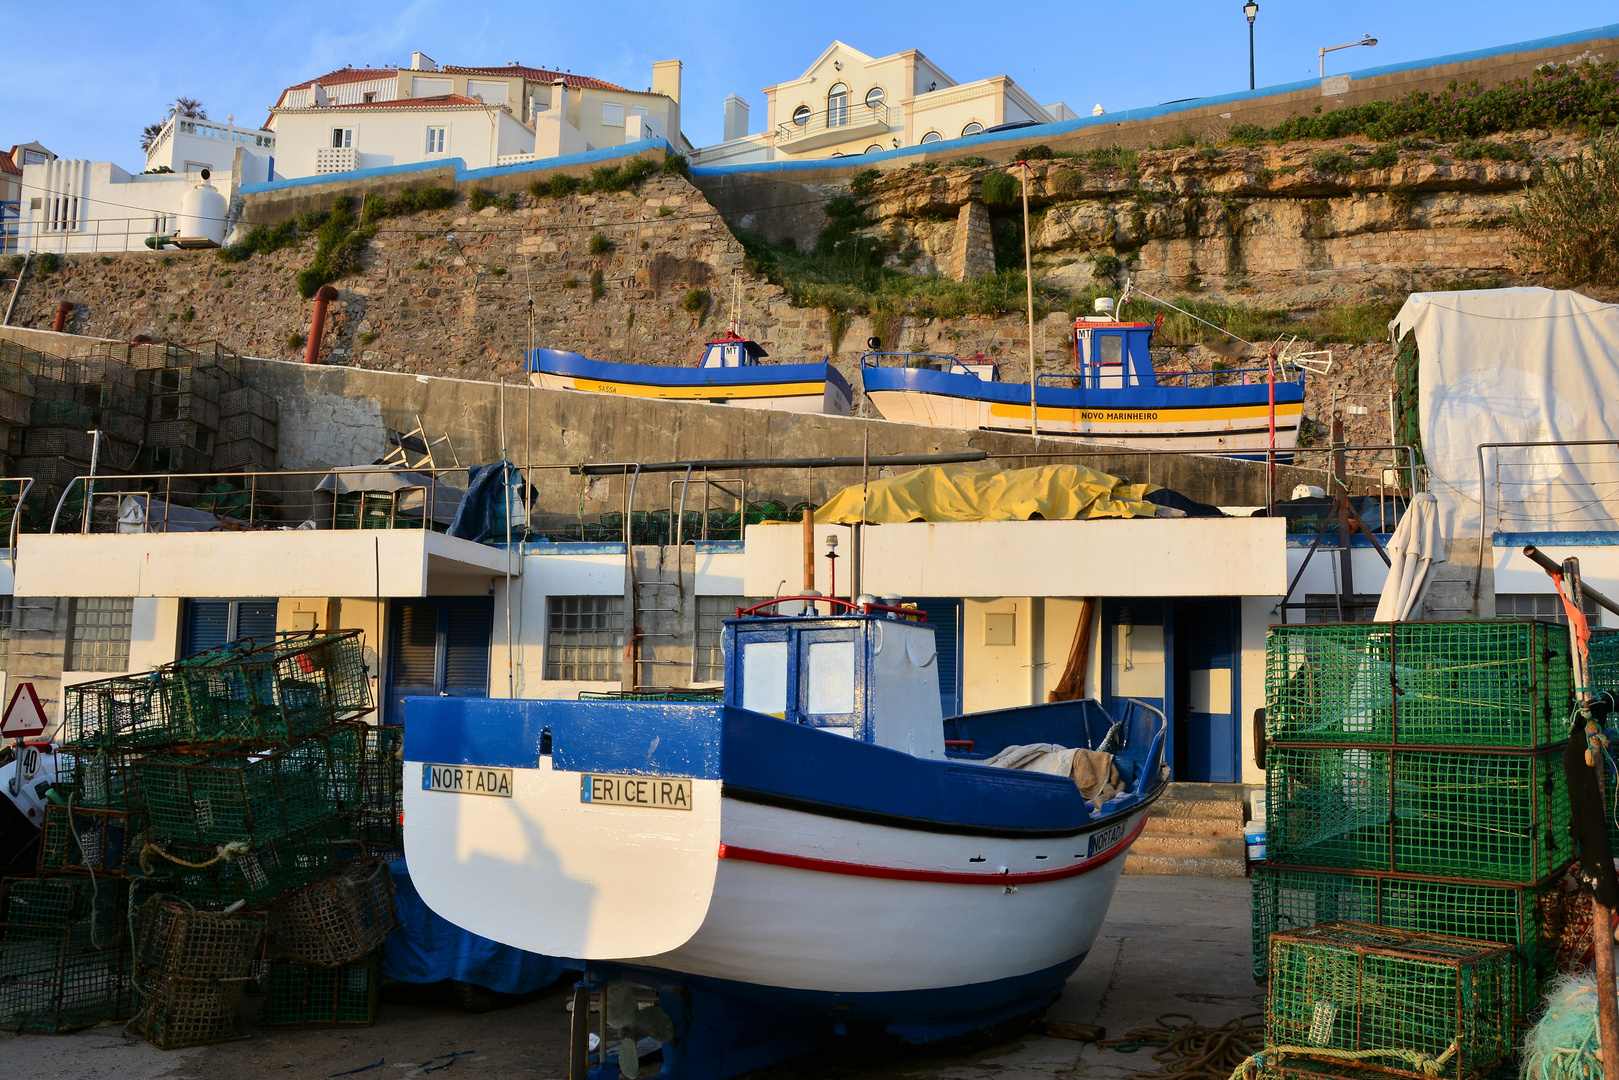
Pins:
x: 1416, y: 546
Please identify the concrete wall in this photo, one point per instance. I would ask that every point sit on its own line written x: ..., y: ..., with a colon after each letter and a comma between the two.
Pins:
x: 397, y: 136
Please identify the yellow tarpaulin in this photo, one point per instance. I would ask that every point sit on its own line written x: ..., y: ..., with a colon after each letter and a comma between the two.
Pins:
x: 962, y: 493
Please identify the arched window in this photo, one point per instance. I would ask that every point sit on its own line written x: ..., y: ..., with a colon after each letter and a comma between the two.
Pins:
x: 932, y: 136
x: 874, y: 148
x: 972, y: 129
x: 874, y: 97
x: 837, y: 105
x: 801, y: 115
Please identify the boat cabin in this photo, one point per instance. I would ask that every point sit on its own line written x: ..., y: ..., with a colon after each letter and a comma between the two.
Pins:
x: 980, y: 365
x: 1113, y: 355
x: 870, y: 675
x: 732, y: 350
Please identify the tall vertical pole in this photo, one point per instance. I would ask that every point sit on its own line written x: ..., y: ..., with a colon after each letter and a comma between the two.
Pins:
x: 1341, y: 504
x: 1250, y: 53
x: 1028, y: 279
x: 1601, y: 914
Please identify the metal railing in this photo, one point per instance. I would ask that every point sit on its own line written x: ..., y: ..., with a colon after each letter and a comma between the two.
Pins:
x: 92, y: 234
x: 851, y: 115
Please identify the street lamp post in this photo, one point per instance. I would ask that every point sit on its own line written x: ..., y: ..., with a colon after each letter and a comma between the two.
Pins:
x: 1250, y: 9
x: 1366, y: 39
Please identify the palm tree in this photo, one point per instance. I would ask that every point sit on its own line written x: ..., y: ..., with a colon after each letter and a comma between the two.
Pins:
x: 149, y: 135
x: 190, y: 108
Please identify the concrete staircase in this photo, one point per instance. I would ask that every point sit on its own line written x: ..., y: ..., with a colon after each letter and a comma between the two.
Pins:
x: 1194, y: 829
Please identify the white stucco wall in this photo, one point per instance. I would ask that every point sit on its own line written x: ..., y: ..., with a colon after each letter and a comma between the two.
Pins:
x: 398, y: 136
x: 97, y: 206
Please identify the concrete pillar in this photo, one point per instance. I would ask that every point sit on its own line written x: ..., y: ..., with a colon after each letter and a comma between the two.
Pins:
x: 666, y: 81
x: 972, y: 253
x: 736, y: 117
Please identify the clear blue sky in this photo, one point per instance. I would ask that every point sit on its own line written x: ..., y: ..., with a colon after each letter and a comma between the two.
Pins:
x: 84, y: 78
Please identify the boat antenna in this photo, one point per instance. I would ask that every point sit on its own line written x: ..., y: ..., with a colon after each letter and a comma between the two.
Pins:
x: 736, y: 305
x: 1130, y: 288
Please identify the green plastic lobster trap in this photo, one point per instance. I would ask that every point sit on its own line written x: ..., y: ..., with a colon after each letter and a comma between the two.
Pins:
x: 1531, y: 919
x: 381, y: 802
x: 1488, y: 816
x: 1436, y: 1006
x: 64, y: 953
x: 192, y: 967
x: 306, y: 995
x: 338, y: 919
x: 127, y: 712
x: 260, y: 875
x: 1482, y: 683
x: 242, y: 797
x: 77, y: 839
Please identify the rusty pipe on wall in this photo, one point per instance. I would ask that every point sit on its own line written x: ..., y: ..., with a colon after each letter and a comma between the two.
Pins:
x: 63, y: 310
x: 317, y: 323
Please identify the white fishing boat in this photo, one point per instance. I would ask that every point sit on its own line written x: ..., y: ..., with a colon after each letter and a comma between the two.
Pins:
x: 822, y: 848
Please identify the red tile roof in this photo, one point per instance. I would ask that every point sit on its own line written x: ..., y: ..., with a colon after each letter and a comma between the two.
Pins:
x: 8, y: 162
x: 341, y: 76
x: 438, y: 101
x: 536, y: 75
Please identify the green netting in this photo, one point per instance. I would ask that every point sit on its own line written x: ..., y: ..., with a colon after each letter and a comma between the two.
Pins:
x: 1605, y: 660
x: 1529, y: 918
x: 64, y: 954
x: 77, y: 838
x: 192, y: 966
x: 382, y: 766
x: 260, y: 875
x: 277, y: 690
x: 1297, y: 1067
x: 1493, y: 682
x: 337, y: 920
x: 1500, y: 816
x: 238, y: 796
x: 1350, y: 986
x: 125, y: 711
x: 98, y: 779
x: 303, y: 995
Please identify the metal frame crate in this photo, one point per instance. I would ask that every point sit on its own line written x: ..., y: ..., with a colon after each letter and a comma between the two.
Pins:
x: 192, y: 967
x: 382, y: 781
x: 251, y: 797
x: 273, y: 689
x: 1483, y: 683
x: 126, y: 711
x: 261, y: 875
x: 1489, y: 816
x: 1532, y: 919
x: 304, y: 995
x: 244, y: 454
x: 337, y: 920
x: 96, y: 778
x: 64, y: 953
x: 1352, y: 987
x: 245, y: 399
x: 78, y: 839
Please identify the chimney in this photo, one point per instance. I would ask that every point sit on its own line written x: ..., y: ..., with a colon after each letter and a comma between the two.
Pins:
x: 666, y: 79
x: 420, y: 61
x: 559, y: 98
x: 736, y: 118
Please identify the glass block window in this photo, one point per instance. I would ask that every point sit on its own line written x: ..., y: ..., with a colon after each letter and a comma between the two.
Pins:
x: 708, y: 659
x: 99, y: 638
x: 1541, y: 606
x: 584, y: 638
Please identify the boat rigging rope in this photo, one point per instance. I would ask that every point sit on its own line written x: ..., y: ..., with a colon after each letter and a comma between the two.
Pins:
x: 1191, y: 1051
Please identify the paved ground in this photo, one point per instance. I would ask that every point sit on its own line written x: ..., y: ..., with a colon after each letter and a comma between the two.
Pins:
x: 1170, y: 944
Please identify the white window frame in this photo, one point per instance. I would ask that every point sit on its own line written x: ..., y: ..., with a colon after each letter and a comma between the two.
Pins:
x: 442, y: 140
x: 608, y: 109
x: 342, y: 138
x: 975, y: 128
x: 930, y: 137
x: 801, y: 116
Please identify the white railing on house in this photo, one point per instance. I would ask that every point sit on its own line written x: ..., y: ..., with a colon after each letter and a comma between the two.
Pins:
x: 92, y: 234
x: 207, y: 129
x: 330, y: 159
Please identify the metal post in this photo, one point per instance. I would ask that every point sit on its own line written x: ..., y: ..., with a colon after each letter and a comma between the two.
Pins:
x: 1341, y: 504
x: 1028, y: 279
x: 1250, y: 52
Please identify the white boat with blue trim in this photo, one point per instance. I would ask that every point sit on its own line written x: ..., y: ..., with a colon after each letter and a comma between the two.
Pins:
x: 1115, y: 396
x: 731, y: 372
x: 821, y: 852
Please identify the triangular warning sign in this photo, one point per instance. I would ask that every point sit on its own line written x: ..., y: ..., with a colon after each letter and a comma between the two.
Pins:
x: 25, y: 717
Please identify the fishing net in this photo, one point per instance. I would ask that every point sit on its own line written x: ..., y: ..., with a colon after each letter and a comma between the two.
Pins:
x: 1486, y: 683
x: 255, y: 692
x: 76, y: 838
x: 243, y: 797
x: 306, y: 995
x: 381, y: 807
x: 1532, y: 919
x: 221, y: 875
x: 338, y: 919
x: 1564, y: 1043
x: 1420, y: 1005
x: 191, y: 969
x: 1500, y: 816
x: 64, y: 953
x: 127, y: 711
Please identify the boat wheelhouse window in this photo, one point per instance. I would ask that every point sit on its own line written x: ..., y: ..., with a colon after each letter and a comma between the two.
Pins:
x: 1110, y: 350
x: 764, y: 677
x: 830, y: 674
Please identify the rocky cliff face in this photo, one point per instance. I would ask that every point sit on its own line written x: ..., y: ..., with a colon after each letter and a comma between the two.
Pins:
x: 1293, y: 226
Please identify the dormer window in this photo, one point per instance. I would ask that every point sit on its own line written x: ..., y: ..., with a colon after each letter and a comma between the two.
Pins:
x: 369, y: 96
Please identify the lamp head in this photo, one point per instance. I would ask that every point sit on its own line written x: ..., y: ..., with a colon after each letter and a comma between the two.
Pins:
x: 1250, y: 9
x: 1367, y: 39
x: 832, y: 541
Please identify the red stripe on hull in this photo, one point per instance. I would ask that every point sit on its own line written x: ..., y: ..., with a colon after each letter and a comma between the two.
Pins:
x: 833, y: 866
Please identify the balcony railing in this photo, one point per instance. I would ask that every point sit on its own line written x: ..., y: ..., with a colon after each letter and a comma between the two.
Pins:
x: 208, y: 129
x: 852, y: 116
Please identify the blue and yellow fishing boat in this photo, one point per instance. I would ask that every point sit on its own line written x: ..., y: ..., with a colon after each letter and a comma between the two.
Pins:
x: 730, y: 374
x: 1115, y: 395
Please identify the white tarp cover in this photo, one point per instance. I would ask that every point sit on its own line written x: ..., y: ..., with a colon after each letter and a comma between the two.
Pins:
x: 1517, y: 365
x: 1417, y: 545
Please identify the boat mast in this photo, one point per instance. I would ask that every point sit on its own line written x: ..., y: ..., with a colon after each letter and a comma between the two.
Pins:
x: 1028, y: 280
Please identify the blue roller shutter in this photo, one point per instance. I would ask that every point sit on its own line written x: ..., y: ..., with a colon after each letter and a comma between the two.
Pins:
x: 945, y: 618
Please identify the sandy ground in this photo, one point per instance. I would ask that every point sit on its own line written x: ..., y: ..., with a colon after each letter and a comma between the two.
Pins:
x: 1170, y: 944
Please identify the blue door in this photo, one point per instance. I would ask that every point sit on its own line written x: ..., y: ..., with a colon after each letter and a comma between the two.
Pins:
x: 1206, y: 675
x: 945, y: 618
x: 439, y: 648
x: 1138, y: 639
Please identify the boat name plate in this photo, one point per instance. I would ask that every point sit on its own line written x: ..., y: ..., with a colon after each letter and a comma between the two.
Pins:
x: 467, y: 780
x: 1103, y: 839
x: 653, y: 792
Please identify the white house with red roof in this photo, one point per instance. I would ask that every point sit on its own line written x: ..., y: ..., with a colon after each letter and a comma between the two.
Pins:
x: 363, y: 118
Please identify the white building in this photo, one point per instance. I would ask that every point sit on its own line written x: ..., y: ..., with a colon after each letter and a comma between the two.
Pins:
x: 188, y: 144
x: 11, y: 166
x: 361, y: 118
x: 847, y: 103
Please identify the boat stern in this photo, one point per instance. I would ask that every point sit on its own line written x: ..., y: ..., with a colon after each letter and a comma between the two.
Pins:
x: 584, y: 830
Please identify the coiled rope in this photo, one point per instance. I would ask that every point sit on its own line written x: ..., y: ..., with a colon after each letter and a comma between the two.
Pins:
x: 1191, y: 1051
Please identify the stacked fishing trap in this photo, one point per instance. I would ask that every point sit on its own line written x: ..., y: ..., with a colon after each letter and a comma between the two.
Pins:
x: 1415, y: 901
x: 216, y: 822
